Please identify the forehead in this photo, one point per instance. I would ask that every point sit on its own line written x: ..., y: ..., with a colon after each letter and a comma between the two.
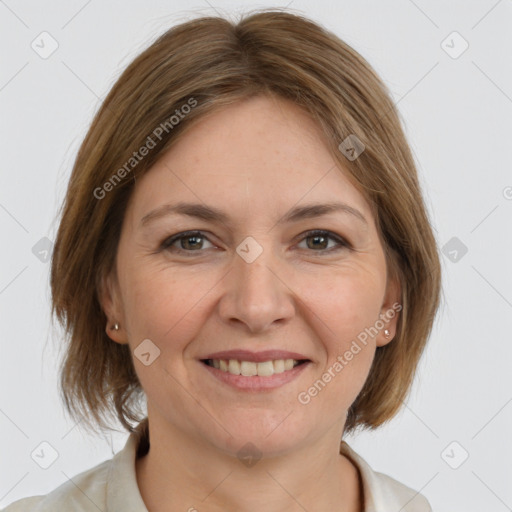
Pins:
x: 262, y: 155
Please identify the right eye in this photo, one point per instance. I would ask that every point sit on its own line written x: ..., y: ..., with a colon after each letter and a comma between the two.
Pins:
x: 190, y: 241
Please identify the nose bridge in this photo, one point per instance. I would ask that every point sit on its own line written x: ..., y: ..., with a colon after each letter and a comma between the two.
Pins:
x: 256, y: 295
x: 255, y: 277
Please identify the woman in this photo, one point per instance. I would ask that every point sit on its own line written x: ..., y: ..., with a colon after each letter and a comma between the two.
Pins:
x: 245, y: 247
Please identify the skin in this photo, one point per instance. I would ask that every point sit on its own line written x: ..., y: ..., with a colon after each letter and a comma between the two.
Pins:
x: 254, y: 160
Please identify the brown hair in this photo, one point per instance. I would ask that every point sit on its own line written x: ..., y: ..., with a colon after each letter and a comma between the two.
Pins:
x: 213, y: 62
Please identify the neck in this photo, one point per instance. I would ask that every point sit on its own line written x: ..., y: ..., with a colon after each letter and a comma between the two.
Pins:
x: 183, y: 473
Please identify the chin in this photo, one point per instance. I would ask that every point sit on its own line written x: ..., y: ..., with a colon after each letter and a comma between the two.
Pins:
x: 271, y: 433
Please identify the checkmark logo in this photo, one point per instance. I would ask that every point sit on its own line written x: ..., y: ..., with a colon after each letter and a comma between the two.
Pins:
x: 146, y: 352
x: 454, y: 455
x: 249, y: 249
x: 44, y: 45
x: 249, y: 455
x: 44, y: 455
x: 350, y: 152
x: 454, y: 249
x: 351, y: 147
x: 454, y: 45
x: 42, y: 250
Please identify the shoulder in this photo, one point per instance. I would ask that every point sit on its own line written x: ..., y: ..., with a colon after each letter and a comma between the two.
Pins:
x: 83, y: 492
x: 111, y: 485
x: 25, y: 504
x: 407, y: 498
x: 382, y: 492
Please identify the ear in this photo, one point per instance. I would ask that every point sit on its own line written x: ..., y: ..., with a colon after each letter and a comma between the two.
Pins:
x: 390, y: 310
x: 110, y: 300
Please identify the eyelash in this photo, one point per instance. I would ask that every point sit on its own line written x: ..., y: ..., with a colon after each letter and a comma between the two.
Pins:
x: 168, y: 242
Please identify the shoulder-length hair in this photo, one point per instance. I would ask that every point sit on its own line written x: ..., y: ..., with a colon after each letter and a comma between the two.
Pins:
x: 191, y: 70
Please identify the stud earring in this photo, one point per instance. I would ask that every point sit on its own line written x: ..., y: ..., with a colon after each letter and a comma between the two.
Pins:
x: 115, y: 327
x: 386, y: 333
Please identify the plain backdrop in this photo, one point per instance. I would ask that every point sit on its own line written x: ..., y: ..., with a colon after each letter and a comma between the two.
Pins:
x: 452, y: 438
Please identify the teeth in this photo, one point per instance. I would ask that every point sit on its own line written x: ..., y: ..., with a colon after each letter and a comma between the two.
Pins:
x: 250, y: 368
x: 247, y: 368
x: 265, y: 369
x: 279, y: 366
x: 234, y: 367
x: 288, y: 364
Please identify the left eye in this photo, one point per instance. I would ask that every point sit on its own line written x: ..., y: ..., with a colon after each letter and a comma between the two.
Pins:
x: 193, y: 241
x: 320, y: 239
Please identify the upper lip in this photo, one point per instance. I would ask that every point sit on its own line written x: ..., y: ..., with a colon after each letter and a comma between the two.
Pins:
x: 257, y: 357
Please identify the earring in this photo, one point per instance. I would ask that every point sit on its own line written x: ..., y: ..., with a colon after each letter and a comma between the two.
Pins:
x: 115, y: 327
x: 386, y: 333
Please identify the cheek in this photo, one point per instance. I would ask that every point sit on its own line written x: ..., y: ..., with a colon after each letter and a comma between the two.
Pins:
x: 348, y: 302
x: 169, y: 311
x: 163, y: 304
x: 347, y: 307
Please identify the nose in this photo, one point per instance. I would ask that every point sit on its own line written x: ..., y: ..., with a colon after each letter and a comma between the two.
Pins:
x: 256, y: 294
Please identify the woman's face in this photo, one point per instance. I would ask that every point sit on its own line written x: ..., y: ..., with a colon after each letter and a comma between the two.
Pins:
x: 250, y: 287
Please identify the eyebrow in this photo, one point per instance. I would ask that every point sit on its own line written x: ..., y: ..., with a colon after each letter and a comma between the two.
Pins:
x: 211, y: 214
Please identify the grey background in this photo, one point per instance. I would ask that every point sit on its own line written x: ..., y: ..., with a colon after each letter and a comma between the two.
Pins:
x: 458, y: 118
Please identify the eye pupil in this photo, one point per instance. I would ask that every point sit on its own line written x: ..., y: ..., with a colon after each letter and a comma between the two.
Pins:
x: 187, y: 239
x: 316, y: 238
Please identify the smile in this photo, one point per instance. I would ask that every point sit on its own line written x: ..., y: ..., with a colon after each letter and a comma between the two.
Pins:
x: 252, y: 368
x: 254, y: 376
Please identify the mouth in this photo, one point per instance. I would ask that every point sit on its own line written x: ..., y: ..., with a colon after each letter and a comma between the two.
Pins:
x: 253, y: 368
x: 255, y: 371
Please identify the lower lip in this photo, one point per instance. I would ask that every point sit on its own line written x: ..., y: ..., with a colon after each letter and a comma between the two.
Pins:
x: 255, y: 382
